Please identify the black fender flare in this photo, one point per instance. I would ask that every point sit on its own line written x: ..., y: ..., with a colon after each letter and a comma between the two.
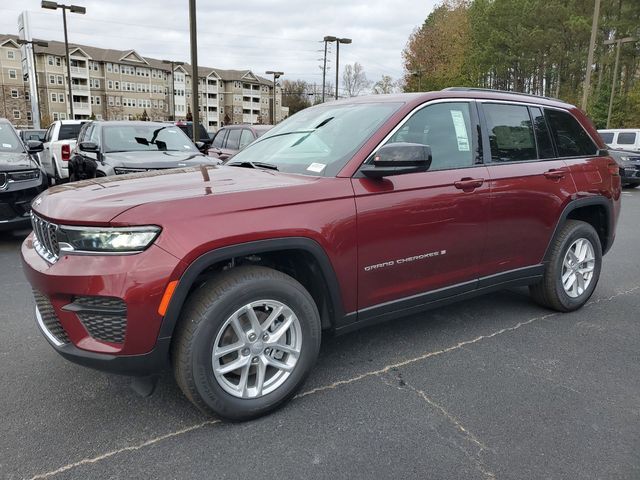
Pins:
x: 598, y: 200
x: 205, y: 260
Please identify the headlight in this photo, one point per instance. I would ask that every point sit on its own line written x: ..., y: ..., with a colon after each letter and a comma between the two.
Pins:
x: 624, y: 158
x: 110, y: 240
x: 23, y: 175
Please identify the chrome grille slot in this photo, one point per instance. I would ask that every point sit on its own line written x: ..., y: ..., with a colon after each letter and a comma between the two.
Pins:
x: 46, y: 238
x: 49, y: 318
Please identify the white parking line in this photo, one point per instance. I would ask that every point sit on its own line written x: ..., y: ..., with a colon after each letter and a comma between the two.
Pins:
x: 331, y: 386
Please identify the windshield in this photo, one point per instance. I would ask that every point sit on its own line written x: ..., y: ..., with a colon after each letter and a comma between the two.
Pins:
x: 317, y: 141
x: 135, y: 138
x: 9, y: 141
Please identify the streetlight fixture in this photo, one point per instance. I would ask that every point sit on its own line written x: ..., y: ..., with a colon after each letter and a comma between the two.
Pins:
x: 326, y: 40
x: 276, y: 75
x: 72, y: 9
x: 338, y: 42
x: 618, y: 43
x: 195, y: 79
x: 34, y: 43
x: 173, y: 64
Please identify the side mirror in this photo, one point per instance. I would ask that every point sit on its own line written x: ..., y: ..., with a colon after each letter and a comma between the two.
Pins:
x: 89, y: 147
x: 201, y: 146
x: 34, y: 146
x: 398, y: 159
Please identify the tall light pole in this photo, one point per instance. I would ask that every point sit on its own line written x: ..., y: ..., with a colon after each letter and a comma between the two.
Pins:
x: 173, y: 86
x: 618, y: 43
x: 326, y: 40
x: 338, y: 42
x: 33, y: 44
x: 195, y: 79
x: 276, y: 75
x: 72, y: 9
x: 592, y: 46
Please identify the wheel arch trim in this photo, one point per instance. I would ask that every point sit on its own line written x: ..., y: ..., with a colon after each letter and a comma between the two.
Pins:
x: 211, y: 257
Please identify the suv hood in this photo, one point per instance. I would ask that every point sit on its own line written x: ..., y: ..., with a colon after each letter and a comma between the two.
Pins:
x: 10, y: 161
x: 100, y: 200
x: 156, y: 159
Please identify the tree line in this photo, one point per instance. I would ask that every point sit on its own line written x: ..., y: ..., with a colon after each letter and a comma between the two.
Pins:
x: 532, y: 46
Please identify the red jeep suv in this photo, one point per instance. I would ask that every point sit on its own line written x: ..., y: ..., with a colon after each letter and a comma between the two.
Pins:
x: 346, y: 214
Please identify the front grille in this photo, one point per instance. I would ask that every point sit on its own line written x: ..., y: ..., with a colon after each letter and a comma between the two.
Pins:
x: 49, y: 317
x: 105, y: 318
x: 46, y: 239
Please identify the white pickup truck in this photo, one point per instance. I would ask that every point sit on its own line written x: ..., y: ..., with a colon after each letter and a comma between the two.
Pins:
x: 59, y: 142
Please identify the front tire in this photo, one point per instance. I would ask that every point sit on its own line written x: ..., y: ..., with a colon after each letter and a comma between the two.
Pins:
x: 245, y: 342
x: 573, y: 269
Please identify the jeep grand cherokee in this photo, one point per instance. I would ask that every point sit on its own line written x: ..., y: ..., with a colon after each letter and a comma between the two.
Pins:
x: 345, y: 214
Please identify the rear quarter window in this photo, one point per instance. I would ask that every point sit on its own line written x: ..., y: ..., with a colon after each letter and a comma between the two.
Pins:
x: 571, y: 139
x: 69, y: 132
x: 607, y: 137
x: 626, y: 138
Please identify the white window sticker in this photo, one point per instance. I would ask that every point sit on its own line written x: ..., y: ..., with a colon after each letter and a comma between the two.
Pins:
x: 187, y: 147
x: 6, y: 145
x: 461, y: 130
x: 316, y: 167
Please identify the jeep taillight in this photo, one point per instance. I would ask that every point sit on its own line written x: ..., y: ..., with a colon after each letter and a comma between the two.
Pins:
x: 614, y: 169
x: 66, y: 153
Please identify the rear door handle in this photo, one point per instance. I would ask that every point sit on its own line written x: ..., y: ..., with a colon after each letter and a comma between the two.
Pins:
x: 468, y: 184
x: 554, y: 174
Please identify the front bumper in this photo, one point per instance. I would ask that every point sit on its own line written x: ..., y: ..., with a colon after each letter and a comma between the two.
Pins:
x: 138, y: 281
x: 15, y: 203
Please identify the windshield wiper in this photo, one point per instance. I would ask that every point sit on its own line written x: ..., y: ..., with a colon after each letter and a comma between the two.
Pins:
x: 248, y: 164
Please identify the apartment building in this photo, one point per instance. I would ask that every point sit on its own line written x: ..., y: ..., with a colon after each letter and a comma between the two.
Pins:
x: 124, y: 85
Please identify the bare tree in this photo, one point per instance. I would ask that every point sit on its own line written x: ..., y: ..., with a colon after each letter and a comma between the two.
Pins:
x: 354, y: 79
x: 385, y: 85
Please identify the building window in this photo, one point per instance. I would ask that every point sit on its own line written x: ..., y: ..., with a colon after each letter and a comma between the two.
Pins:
x: 117, y: 101
x: 16, y: 114
x: 14, y: 93
x: 13, y: 74
x: 54, y: 97
x: 29, y: 117
x: 50, y: 60
x: 116, y: 68
x: 52, y: 79
x: 27, y: 95
x: 60, y: 81
x: 109, y: 67
x: 61, y: 97
x: 56, y: 116
x: 58, y: 61
x: 63, y: 116
x: 110, y: 84
x: 97, y: 100
x: 110, y: 101
x: 11, y: 55
x: 99, y: 117
x: 117, y: 85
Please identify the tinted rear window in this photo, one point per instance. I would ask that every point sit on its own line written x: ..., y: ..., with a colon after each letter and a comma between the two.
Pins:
x: 510, y: 133
x: 607, y: 137
x: 69, y: 132
x: 570, y: 137
x: 628, y: 138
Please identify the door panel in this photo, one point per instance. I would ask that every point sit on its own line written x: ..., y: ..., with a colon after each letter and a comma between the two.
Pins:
x: 423, y: 231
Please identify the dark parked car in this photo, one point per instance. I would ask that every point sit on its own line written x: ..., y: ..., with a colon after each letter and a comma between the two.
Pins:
x: 33, y: 134
x: 120, y: 147
x: 346, y: 214
x: 21, y: 177
x: 629, y: 163
x: 203, y: 135
x: 230, y: 140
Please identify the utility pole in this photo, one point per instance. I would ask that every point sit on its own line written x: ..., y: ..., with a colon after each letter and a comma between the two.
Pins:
x: 72, y: 9
x: 173, y: 86
x: 324, y: 66
x: 194, y: 67
x: 592, y: 46
x: 276, y: 75
x: 34, y: 43
x: 618, y: 44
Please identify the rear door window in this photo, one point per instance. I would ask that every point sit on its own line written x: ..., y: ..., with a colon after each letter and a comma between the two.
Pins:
x: 233, y: 140
x: 219, y: 139
x: 543, y: 137
x: 571, y: 139
x: 245, y: 138
x: 511, y: 135
x: 607, y: 137
x: 626, y: 138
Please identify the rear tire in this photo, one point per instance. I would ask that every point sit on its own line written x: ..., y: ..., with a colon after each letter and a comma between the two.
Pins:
x: 232, y: 313
x: 573, y: 269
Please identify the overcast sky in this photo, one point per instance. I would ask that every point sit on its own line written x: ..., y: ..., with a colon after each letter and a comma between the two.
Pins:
x: 253, y: 34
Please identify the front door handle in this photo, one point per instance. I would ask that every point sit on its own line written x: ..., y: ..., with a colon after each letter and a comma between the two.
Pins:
x: 554, y: 174
x: 468, y: 184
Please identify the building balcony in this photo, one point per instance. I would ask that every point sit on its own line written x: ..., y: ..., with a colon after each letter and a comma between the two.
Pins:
x: 79, y: 88
x: 79, y: 71
x: 81, y: 108
x: 211, y: 89
x: 248, y: 118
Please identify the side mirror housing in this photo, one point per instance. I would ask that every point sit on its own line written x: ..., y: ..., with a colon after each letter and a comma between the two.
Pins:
x: 398, y: 159
x: 202, y: 146
x: 89, y: 147
x: 34, y: 146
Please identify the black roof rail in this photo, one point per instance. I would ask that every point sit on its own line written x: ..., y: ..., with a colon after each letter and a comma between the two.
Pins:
x: 492, y: 90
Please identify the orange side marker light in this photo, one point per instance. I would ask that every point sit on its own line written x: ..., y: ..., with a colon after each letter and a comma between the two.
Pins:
x: 166, y: 298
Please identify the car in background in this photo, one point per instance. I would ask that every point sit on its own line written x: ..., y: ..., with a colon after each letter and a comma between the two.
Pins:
x: 21, y: 178
x: 59, y: 142
x: 622, y: 138
x: 32, y: 134
x: 231, y: 139
x: 120, y: 147
x: 203, y: 135
x: 629, y: 163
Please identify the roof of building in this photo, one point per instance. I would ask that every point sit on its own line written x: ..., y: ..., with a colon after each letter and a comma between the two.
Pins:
x: 131, y: 57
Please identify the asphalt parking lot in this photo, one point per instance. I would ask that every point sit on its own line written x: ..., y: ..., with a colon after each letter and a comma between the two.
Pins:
x: 494, y: 387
